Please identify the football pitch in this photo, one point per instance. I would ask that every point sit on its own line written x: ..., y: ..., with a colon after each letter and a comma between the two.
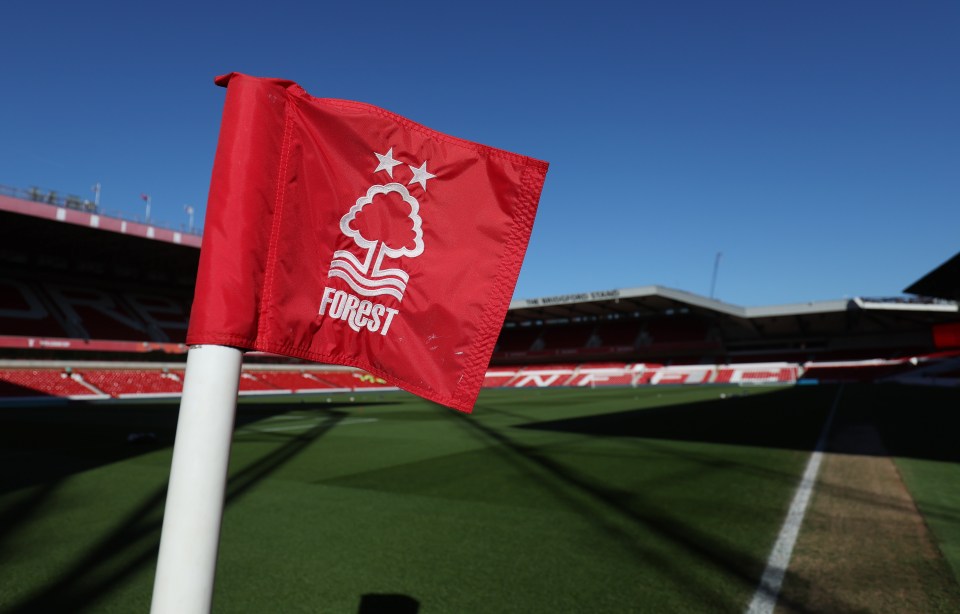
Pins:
x: 659, y: 499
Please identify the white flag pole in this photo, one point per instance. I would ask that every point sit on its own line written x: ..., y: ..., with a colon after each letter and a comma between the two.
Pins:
x: 198, y: 476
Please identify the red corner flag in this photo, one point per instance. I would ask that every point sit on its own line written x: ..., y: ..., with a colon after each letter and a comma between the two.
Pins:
x: 342, y: 233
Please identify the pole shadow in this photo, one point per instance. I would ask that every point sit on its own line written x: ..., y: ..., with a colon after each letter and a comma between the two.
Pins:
x: 134, y: 542
x: 913, y: 421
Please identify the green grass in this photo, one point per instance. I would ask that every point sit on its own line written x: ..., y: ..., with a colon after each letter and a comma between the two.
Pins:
x: 921, y: 428
x: 617, y: 500
x: 935, y: 486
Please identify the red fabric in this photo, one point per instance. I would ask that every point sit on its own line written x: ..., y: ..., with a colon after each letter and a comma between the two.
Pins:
x: 316, y: 247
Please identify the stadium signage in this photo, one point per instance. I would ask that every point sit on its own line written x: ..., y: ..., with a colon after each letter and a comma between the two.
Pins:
x: 573, y: 298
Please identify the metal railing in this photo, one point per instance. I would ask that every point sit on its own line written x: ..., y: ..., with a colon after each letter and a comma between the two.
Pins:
x: 72, y: 201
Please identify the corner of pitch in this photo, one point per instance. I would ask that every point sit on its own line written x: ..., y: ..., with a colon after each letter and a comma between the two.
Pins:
x: 356, y: 312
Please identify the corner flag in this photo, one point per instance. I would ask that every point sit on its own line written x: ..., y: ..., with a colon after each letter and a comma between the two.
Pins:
x: 335, y: 232
x: 339, y: 232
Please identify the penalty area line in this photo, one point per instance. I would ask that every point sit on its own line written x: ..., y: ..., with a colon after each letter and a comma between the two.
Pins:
x: 765, y: 598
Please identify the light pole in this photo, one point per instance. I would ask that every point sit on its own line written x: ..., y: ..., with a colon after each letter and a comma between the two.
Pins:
x: 146, y: 199
x: 716, y: 268
x: 189, y: 211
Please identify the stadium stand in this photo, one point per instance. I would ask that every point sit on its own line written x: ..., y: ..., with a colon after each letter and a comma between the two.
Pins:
x: 158, y: 380
x: 99, y: 309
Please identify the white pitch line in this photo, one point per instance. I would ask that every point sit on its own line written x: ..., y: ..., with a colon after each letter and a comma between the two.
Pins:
x: 765, y: 598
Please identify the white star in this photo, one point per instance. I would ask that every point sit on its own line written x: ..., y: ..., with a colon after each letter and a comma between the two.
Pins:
x: 386, y: 162
x: 420, y: 175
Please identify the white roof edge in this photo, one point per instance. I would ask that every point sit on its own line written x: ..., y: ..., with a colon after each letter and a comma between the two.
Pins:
x: 882, y: 305
x: 812, y: 307
x: 617, y: 293
x: 798, y: 308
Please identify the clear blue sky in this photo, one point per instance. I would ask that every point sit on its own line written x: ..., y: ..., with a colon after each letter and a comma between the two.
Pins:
x: 815, y: 144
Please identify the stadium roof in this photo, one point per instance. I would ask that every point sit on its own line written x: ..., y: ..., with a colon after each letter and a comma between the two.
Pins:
x: 656, y: 300
x: 942, y: 282
x: 84, y: 215
x: 46, y: 238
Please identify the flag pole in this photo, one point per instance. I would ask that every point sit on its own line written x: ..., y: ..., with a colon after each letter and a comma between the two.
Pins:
x: 190, y: 537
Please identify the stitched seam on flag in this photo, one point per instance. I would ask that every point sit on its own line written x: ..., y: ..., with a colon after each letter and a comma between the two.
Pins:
x: 491, y: 309
x: 409, y: 124
x: 266, y: 295
x: 508, y: 269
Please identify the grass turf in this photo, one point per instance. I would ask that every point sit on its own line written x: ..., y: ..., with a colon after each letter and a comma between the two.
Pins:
x: 541, y: 501
x: 920, y: 429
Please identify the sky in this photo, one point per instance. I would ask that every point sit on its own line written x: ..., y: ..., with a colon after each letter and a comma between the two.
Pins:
x: 814, y: 145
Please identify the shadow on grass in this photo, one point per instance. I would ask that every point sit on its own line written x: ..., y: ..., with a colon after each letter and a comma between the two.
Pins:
x: 913, y: 422
x: 44, y: 444
x: 622, y: 510
x: 133, y: 543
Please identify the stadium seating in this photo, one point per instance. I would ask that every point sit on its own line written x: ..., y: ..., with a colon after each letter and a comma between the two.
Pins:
x: 251, y: 383
x: 44, y: 382
x: 499, y: 378
x: 641, y: 374
x: 542, y: 376
x: 518, y: 339
x: 84, y: 309
x: 22, y: 312
x: 676, y: 329
x: 122, y: 383
x: 618, y: 332
x: 96, y: 314
x: 568, y: 336
x: 602, y: 374
x: 74, y: 300
x: 353, y: 380
x: 295, y: 381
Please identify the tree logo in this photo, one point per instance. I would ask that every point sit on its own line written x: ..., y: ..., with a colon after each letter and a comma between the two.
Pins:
x: 382, y: 236
x: 385, y: 224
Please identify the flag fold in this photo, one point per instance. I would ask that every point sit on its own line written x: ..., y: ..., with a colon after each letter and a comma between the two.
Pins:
x: 342, y: 233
